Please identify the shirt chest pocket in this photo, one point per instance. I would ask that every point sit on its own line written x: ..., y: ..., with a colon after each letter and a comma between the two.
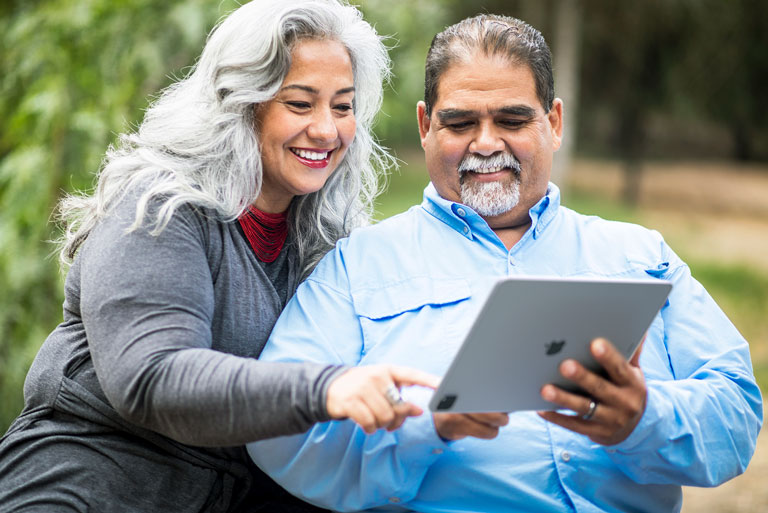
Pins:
x: 406, y: 321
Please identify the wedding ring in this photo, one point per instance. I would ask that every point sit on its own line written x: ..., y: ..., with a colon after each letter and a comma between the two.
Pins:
x: 393, y: 395
x: 591, y: 411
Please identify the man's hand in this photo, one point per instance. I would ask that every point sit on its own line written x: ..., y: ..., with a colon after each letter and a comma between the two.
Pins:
x: 453, y: 426
x: 361, y: 392
x: 620, y: 401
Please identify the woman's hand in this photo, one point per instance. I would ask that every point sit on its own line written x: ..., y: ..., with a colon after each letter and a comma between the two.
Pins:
x: 361, y: 394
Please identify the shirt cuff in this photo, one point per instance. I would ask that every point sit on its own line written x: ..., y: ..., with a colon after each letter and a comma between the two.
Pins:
x: 421, y: 431
x: 657, y: 409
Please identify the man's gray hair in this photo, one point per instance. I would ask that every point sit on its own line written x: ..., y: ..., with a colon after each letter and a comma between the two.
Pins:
x: 197, y: 145
x: 492, y: 35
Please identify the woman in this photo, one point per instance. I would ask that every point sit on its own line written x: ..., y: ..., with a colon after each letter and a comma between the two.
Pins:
x: 239, y: 179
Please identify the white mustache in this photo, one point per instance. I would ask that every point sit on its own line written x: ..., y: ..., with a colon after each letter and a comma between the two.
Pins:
x: 477, y: 163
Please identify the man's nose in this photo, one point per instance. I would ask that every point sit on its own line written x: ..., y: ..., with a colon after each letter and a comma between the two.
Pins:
x: 323, y: 126
x: 486, y: 141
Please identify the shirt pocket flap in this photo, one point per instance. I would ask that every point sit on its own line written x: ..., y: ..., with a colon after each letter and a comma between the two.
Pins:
x: 409, y: 295
x: 655, y: 268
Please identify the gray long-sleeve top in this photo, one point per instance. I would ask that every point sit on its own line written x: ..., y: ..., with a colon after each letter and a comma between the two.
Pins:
x: 164, y: 329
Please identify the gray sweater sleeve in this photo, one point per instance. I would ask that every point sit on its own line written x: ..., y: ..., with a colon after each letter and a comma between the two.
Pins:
x: 147, y: 304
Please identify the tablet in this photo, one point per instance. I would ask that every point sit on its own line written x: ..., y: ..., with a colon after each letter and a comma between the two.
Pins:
x: 529, y: 325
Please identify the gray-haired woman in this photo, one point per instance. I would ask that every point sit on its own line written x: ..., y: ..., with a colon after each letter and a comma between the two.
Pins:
x: 240, y: 178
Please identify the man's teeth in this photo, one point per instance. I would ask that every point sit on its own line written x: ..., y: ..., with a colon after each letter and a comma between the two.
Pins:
x: 487, y: 170
x: 310, y: 155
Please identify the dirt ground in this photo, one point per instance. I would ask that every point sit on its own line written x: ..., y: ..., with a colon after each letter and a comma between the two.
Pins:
x: 719, y: 210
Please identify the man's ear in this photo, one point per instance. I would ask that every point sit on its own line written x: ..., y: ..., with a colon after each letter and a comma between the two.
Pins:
x: 555, y: 117
x: 423, y: 119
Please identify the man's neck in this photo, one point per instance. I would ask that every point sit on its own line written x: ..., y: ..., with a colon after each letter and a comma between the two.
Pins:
x: 510, y: 226
x: 511, y: 235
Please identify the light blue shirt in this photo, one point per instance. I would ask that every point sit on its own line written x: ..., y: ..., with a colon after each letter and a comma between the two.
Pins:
x: 405, y: 291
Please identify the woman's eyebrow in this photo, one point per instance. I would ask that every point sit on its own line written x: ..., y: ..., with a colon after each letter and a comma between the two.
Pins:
x: 314, y: 90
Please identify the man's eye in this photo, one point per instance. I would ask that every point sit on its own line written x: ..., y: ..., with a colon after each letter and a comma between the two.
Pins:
x: 459, y: 126
x: 512, y: 123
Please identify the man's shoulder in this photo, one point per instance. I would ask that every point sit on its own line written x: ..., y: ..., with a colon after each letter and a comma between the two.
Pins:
x: 608, y: 236
x: 374, y: 249
x: 387, y: 233
x: 590, y: 223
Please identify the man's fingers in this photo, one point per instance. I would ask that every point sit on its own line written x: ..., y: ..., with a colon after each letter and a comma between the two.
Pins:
x: 612, y: 361
x: 635, y: 360
x: 490, y: 419
x: 590, y: 382
x: 571, y: 422
x: 454, y: 426
x: 567, y: 400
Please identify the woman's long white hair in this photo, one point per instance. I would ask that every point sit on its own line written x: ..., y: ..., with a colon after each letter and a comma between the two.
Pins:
x: 197, y: 143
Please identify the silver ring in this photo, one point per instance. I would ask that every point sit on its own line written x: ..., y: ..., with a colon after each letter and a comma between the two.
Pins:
x: 393, y: 396
x: 591, y: 411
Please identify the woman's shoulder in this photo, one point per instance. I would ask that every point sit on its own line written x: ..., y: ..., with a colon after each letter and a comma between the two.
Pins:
x: 137, y: 219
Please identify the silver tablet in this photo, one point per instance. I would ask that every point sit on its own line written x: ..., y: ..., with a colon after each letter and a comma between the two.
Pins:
x: 529, y: 325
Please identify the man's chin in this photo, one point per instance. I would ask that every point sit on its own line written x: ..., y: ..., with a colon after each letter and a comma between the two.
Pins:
x: 490, y: 199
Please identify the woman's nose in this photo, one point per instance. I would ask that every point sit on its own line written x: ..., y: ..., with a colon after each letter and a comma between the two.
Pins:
x: 323, y: 126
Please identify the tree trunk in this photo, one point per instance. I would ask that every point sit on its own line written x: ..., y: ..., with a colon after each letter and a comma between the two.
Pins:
x: 566, y: 63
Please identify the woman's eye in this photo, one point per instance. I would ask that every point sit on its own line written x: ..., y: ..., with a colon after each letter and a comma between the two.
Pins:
x: 344, y: 107
x: 298, y: 105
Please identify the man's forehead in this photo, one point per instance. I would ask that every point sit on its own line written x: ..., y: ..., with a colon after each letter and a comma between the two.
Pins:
x: 485, y: 83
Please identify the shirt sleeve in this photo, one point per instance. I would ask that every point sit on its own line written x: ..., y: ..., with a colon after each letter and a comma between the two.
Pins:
x: 335, y: 464
x: 147, y: 304
x: 699, y: 428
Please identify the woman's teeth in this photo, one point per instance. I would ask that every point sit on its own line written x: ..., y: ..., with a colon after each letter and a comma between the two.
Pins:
x: 310, y: 155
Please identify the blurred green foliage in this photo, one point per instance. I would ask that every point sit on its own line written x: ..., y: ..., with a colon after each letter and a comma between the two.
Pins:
x: 75, y: 73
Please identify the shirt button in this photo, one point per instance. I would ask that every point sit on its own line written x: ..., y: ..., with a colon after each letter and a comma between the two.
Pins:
x: 461, y: 212
x: 437, y: 451
x: 466, y: 229
x: 566, y: 456
x: 394, y: 500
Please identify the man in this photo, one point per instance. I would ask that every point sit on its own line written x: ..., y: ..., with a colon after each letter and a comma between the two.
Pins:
x: 687, y: 412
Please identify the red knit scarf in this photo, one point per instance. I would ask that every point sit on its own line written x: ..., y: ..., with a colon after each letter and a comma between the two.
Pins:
x: 266, y: 232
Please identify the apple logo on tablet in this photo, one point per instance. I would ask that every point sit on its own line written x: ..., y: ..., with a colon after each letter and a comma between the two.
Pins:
x: 554, y: 347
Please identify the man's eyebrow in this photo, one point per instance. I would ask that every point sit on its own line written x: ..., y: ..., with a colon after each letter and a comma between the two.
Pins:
x: 522, y: 111
x: 446, y: 115
x: 517, y: 110
x: 312, y: 90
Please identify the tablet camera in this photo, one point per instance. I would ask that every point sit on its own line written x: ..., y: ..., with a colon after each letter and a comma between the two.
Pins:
x: 446, y: 402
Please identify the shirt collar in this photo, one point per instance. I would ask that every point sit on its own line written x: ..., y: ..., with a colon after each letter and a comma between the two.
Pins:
x: 465, y: 220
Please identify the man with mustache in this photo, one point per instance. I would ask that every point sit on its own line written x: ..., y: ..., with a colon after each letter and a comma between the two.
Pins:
x: 686, y: 411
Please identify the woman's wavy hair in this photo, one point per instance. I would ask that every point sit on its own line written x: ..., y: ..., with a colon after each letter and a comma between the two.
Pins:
x: 197, y: 143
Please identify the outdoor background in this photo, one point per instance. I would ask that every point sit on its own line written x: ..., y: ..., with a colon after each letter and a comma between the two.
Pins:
x: 665, y: 125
